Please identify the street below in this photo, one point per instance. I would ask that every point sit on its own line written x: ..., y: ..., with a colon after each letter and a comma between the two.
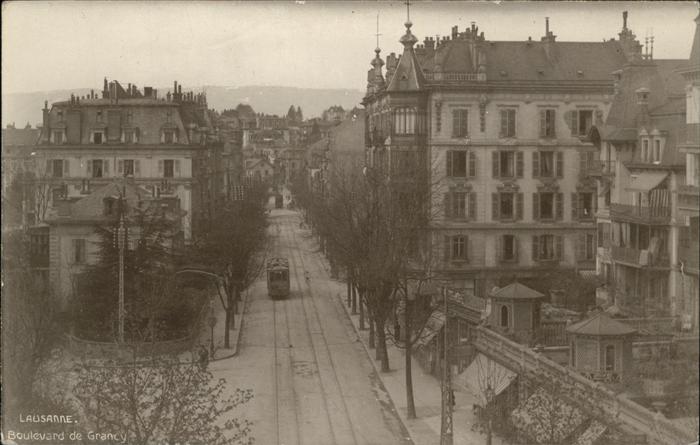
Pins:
x: 311, y: 378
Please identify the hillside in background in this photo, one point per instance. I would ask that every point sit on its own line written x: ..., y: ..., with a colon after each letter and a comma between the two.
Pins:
x: 21, y: 108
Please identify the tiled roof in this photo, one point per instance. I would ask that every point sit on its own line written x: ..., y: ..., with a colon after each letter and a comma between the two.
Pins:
x: 528, y: 60
x: 600, y: 324
x: 517, y: 291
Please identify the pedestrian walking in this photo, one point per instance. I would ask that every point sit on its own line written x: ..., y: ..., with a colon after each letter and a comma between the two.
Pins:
x: 203, y: 357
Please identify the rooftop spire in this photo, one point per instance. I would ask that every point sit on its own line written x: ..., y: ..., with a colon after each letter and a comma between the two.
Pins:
x: 408, y: 39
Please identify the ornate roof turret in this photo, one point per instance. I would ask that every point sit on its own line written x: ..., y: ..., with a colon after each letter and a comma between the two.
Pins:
x: 408, y: 75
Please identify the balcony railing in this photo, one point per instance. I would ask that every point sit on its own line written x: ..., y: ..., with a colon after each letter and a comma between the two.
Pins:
x: 638, y: 257
x: 649, y: 215
x: 451, y: 77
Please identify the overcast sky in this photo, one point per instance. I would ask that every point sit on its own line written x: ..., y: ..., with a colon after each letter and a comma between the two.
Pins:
x: 55, y: 45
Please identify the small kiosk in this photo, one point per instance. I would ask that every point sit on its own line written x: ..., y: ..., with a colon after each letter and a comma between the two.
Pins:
x: 515, y: 312
x: 601, y: 348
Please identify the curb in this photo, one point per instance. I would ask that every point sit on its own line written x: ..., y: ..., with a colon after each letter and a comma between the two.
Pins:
x: 236, y: 333
x: 377, y: 370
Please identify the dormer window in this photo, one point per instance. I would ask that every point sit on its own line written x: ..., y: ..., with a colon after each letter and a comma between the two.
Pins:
x: 60, y: 115
x: 657, y: 150
x: 168, y: 137
x: 645, y: 150
x: 99, y: 116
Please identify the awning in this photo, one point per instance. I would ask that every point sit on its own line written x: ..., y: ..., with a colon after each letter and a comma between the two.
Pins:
x: 645, y: 181
x: 483, y: 373
x: 431, y: 329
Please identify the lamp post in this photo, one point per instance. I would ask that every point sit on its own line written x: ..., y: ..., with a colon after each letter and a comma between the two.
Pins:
x: 446, y: 417
x: 490, y: 395
x: 212, y: 323
x: 121, y: 241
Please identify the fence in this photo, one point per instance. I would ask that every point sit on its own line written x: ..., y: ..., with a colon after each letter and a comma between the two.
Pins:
x: 98, y: 349
x: 657, y: 428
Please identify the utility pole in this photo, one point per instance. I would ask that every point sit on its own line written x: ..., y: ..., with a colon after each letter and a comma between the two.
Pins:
x: 121, y: 241
x: 446, y: 417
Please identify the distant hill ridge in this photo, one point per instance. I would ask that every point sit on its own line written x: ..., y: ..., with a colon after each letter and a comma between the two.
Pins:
x: 21, y: 108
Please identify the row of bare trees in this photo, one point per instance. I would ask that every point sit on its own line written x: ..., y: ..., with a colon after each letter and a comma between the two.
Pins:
x: 372, y: 222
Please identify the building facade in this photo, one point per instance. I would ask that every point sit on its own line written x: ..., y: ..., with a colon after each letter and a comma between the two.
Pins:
x: 648, y: 208
x: 88, y: 141
x: 505, y: 131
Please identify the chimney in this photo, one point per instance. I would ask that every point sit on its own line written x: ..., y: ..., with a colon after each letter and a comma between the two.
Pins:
x: 105, y: 90
x: 45, y: 120
x: 454, y: 32
x: 546, y: 26
x: 624, y: 20
x: 643, y: 102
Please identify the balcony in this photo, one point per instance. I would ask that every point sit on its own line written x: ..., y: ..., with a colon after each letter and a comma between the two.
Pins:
x: 645, y: 215
x: 638, y: 257
x: 451, y: 77
x: 599, y: 169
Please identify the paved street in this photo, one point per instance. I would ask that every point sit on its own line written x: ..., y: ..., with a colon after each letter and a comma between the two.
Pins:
x: 312, y: 380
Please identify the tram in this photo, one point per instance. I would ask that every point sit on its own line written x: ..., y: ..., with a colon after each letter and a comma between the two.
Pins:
x: 278, y: 278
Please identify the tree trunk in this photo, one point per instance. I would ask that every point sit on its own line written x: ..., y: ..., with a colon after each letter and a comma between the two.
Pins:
x: 348, y: 287
x: 410, y: 403
x: 371, y: 332
x: 382, y: 353
x: 226, y: 329
x: 362, y: 311
x: 354, y: 298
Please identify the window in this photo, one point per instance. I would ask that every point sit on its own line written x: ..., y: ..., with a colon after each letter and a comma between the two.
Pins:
x: 167, y: 168
x: 585, y: 205
x: 57, y: 136
x: 457, y: 164
x: 129, y: 136
x: 460, y: 205
x: 546, y: 247
x: 547, y: 122
x: 507, y: 164
x: 509, y: 248
x: 547, y: 164
x: 645, y: 150
x: 456, y: 205
x: 507, y: 206
x: 581, y: 122
x: 56, y: 168
x: 460, y: 123
x: 96, y: 168
x: 79, y: 251
x: 547, y: 205
x: 692, y: 174
x: 590, y: 247
x: 507, y: 123
x: 97, y: 137
x: 610, y: 358
x: 404, y: 120
x: 127, y: 167
x: 504, y: 316
x: 456, y: 248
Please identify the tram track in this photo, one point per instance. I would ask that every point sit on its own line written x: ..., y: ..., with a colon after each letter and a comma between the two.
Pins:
x: 306, y: 286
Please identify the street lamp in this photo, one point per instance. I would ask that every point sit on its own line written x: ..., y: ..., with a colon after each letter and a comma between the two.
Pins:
x: 490, y: 396
x: 446, y: 424
x: 212, y: 323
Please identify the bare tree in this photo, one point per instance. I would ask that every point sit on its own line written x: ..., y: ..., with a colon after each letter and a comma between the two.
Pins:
x: 233, y: 247
x: 30, y: 327
x: 160, y: 400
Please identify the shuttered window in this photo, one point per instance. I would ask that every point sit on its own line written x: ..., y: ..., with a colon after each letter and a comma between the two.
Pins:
x: 507, y: 123
x: 547, y: 247
x: 460, y: 123
x: 547, y: 123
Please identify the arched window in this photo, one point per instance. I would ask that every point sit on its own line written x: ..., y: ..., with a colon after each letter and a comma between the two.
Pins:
x: 504, y: 316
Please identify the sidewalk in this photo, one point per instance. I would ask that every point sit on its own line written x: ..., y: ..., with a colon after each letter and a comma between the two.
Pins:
x: 425, y: 430
x: 220, y: 352
x: 427, y: 396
